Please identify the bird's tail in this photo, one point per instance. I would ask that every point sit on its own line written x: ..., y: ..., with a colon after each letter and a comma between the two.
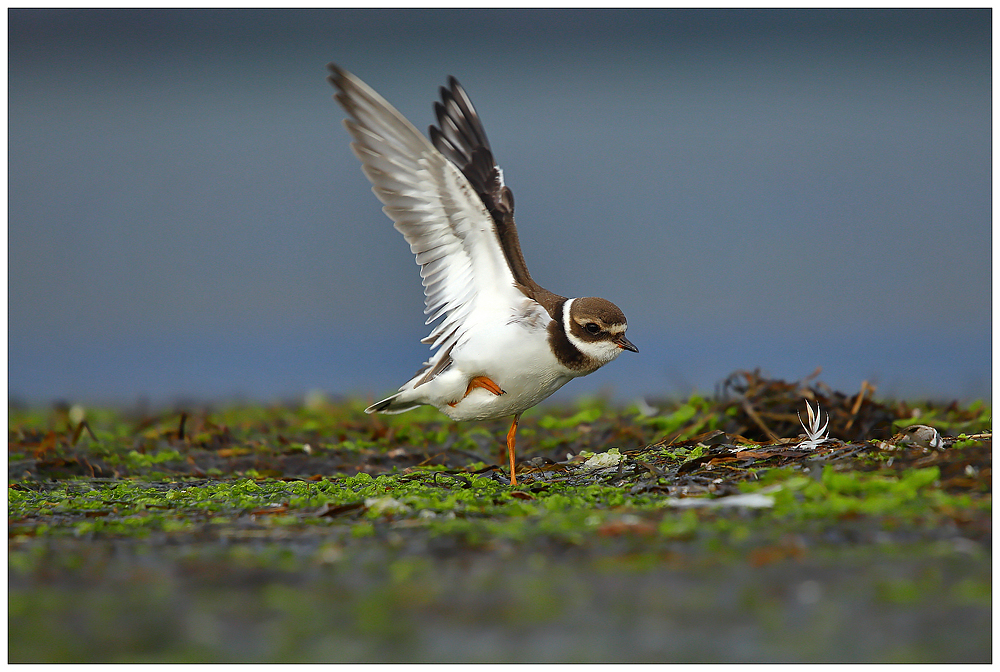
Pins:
x: 392, y: 405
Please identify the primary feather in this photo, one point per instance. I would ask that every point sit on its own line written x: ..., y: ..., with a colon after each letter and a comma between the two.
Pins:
x: 430, y: 201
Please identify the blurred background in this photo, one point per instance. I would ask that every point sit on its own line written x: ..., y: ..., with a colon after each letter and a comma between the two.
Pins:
x: 775, y: 189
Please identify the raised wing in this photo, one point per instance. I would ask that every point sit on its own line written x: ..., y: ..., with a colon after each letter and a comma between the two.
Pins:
x: 460, y: 136
x: 430, y: 201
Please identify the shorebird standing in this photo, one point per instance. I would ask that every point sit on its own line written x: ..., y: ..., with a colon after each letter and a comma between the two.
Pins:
x: 505, y: 343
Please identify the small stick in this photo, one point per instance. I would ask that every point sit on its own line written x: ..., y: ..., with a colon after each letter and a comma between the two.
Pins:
x: 758, y: 420
x: 865, y: 387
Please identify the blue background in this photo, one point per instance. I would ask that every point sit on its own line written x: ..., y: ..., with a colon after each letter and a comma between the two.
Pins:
x: 774, y: 189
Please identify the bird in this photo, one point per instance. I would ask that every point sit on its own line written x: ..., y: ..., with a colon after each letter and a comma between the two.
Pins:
x: 502, y: 343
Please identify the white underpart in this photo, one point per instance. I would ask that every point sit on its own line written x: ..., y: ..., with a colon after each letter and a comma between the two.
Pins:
x: 602, y: 351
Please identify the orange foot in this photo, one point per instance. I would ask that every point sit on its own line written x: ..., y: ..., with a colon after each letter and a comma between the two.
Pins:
x: 483, y: 382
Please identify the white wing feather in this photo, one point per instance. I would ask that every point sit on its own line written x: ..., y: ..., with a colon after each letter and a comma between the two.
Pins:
x: 464, y: 272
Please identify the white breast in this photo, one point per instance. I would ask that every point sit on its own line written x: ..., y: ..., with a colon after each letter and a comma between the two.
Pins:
x: 514, y: 353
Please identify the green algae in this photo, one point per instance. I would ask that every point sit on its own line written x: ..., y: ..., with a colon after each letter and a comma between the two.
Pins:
x: 473, y: 506
x: 316, y: 532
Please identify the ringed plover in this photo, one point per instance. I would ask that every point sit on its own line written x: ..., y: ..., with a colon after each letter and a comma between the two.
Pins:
x: 505, y: 343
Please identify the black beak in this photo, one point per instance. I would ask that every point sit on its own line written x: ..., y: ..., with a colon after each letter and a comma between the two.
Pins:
x: 624, y: 343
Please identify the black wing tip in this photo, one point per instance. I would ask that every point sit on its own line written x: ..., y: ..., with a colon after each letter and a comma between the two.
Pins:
x: 337, y: 78
x: 452, y: 93
x: 348, y: 87
x: 440, y: 111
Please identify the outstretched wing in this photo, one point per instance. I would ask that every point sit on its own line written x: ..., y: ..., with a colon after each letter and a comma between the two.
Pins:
x: 449, y: 228
x: 460, y: 136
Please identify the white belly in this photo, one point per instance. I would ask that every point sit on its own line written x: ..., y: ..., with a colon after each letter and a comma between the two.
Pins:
x: 517, y: 357
x: 521, y: 392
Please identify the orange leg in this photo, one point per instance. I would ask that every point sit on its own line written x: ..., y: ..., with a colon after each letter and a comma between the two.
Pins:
x: 510, y: 448
x: 483, y: 382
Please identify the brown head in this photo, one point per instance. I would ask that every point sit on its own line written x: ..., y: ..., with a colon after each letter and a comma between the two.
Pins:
x: 596, y: 328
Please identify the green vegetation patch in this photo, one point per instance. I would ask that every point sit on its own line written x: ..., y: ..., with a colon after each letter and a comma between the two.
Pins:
x: 391, y: 518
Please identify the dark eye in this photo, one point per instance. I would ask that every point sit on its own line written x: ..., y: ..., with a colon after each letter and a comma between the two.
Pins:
x: 592, y: 328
